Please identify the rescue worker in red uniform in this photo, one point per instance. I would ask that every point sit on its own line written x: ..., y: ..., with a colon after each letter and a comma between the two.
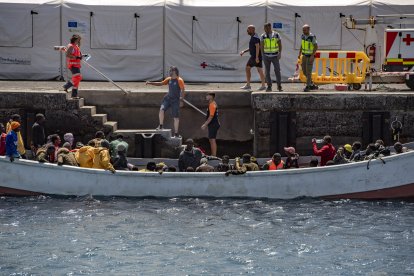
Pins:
x: 73, y: 61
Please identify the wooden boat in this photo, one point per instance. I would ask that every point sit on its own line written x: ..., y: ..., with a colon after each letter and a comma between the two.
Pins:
x: 392, y: 179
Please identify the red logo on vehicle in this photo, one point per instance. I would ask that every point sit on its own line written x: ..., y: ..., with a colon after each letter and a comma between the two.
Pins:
x: 408, y: 40
x: 204, y: 65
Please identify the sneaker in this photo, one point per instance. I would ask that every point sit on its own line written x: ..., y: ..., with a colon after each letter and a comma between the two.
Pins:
x: 269, y: 89
x: 306, y: 89
x: 261, y: 88
x: 280, y: 88
x: 159, y: 127
x: 246, y: 87
x: 314, y: 87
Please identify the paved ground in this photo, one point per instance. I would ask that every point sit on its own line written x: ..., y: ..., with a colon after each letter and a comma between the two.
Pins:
x: 141, y: 87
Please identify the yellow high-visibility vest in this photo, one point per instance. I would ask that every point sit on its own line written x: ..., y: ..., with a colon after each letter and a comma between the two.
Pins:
x: 307, y: 45
x: 271, y: 43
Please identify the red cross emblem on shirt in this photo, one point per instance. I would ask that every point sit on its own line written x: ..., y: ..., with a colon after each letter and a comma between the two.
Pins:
x: 204, y: 65
x: 408, y: 40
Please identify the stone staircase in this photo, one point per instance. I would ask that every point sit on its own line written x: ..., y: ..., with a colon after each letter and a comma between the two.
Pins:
x: 142, y: 142
x: 109, y: 127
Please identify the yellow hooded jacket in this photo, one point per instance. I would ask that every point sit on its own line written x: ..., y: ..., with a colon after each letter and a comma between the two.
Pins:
x: 84, y: 156
x: 102, y: 159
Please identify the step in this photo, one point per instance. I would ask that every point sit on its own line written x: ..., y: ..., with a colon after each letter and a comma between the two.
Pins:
x: 131, y: 132
x: 75, y: 103
x: 88, y: 110
x: 102, y: 118
x: 110, y: 126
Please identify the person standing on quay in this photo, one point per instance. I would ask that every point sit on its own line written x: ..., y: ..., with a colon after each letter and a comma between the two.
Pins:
x: 73, y: 60
x: 271, y: 47
x: 255, y: 59
x: 212, y: 122
x: 308, y: 49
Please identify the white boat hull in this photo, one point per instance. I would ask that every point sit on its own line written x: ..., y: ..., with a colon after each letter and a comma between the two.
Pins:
x: 394, y: 179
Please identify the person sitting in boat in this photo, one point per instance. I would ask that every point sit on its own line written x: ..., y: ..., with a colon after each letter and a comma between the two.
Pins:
x: 224, y: 165
x: 253, y: 159
x: 55, y: 140
x: 370, y: 152
x: 151, y: 167
x: 161, y: 167
x: 84, y: 156
x: 398, y: 147
x: 78, y: 146
x: 189, y: 157
x: 327, y: 152
x: 275, y: 164
x: 3, y: 136
x: 46, y: 154
x: 248, y: 165
x: 102, y: 159
x: 204, y: 166
x: 66, y: 157
x: 69, y: 138
x: 340, y: 157
x: 381, y: 148
x: 172, y: 169
x: 12, y: 141
x: 314, y: 162
x: 356, y: 154
x: 347, y: 151
x: 120, y: 161
x: 115, y: 143
x: 292, y: 160
x: 99, y: 136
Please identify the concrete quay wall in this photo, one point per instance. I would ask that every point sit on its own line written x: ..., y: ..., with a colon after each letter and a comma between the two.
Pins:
x: 139, y: 110
x: 63, y: 114
x: 293, y: 119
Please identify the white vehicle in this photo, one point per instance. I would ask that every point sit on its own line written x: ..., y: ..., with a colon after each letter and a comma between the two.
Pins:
x: 398, y: 57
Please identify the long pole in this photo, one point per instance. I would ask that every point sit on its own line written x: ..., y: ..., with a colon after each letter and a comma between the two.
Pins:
x: 193, y: 106
x: 103, y: 75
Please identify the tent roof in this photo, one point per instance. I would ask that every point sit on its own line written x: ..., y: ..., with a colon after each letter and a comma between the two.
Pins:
x: 320, y: 3
x: 131, y: 3
x: 216, y: 3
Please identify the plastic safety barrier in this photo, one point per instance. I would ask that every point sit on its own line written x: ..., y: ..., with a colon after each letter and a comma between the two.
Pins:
x: 341, y: 67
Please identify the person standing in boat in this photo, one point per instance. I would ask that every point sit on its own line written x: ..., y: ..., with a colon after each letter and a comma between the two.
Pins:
x: 12, y: 141
x: 327, y: 152
x: 38, y: 133
x: 212, y: 122
x: 3, y: 136
x: 189, y: 157
x: 20, y: 146
x: 176, y: 93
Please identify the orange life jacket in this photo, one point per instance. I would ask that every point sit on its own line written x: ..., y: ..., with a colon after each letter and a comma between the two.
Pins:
x: 77, y: 53
x: 273, y: 167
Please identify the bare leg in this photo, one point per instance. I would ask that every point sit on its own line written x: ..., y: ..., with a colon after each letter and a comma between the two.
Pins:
x: 176, y: 124
x: 248, y: 75
x: 262, y: 76
x: 161, y: 116
x: 213, y: 147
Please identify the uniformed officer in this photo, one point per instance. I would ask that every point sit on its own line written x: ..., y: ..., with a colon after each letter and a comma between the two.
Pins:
x: 308, y: 48
x: 271, y: 47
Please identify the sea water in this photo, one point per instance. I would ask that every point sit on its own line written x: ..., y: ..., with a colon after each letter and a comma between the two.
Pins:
x: 190, y: 236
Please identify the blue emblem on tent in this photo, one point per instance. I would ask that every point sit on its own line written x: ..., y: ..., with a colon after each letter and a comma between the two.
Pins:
x: 277, y: 25
x: 72, y: 24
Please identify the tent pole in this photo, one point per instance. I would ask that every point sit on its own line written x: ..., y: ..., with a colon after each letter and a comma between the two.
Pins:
x: 61, y: 39
x: 163, y: 39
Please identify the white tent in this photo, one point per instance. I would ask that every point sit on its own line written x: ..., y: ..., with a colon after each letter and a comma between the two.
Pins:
x: 325, y: 20
x: 204, y: 37
x: 138, y: 40
x: 125, y: 38
x: 28, y: 30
